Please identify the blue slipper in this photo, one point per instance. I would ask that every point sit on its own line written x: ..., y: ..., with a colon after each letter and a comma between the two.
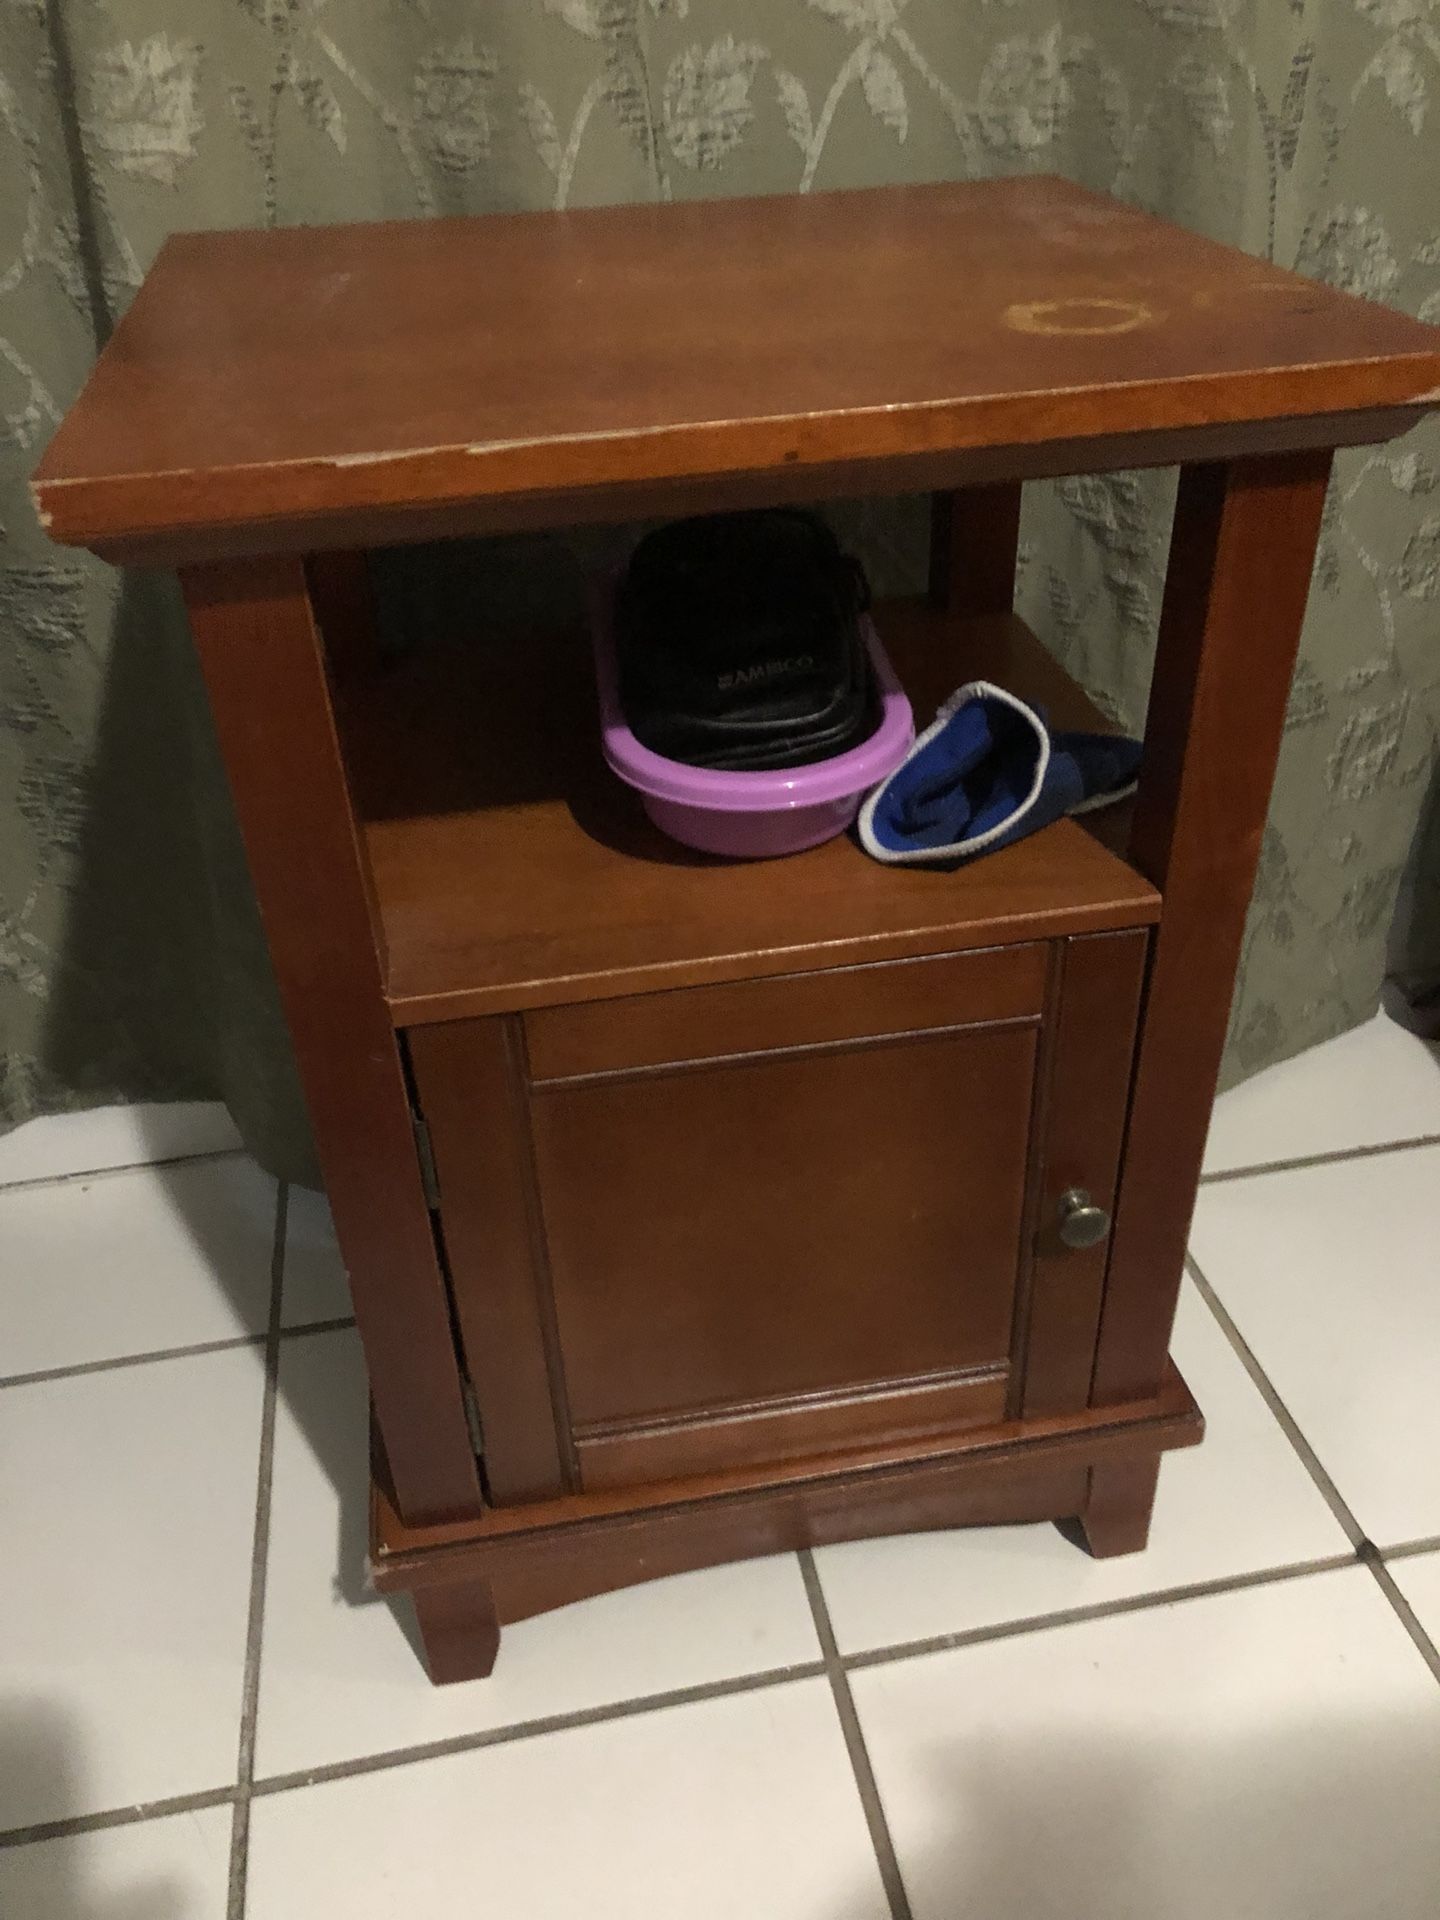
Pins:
x: 986, y: 773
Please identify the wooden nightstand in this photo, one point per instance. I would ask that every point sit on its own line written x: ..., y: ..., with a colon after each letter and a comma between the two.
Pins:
x: 694, y: 1210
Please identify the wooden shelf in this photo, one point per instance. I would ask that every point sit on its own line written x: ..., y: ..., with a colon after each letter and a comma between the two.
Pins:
x: 510, y: 869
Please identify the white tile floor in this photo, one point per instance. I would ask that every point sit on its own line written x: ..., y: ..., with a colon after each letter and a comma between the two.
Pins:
x: 204, y: 1715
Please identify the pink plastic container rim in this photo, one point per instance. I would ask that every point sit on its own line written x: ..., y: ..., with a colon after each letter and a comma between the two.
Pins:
x: 846, y: 776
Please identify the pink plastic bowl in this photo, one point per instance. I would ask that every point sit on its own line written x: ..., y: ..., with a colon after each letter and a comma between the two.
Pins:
x: 750, y: 816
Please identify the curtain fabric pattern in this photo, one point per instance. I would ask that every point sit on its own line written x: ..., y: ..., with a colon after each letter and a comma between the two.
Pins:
x: 131, y: 964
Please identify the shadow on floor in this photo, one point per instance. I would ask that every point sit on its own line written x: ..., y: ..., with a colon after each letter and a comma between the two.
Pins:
x: 320, y: 1382
x: 48, y: 1880
x: 323, y: 1392
x: 161, y: 987
x: 1321, y: 1819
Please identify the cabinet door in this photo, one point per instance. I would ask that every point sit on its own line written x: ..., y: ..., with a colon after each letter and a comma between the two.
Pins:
x: 743, y: 1256
x: 742, y: 1224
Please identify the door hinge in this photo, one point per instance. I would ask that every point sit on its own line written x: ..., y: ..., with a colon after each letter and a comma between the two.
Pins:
x: 472, y: 1418
x: 425, y: 1153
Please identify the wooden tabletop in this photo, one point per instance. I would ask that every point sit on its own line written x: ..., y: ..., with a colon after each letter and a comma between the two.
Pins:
x: 303, y: 386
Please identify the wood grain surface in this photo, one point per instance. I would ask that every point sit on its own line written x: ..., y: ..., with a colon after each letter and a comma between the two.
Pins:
x: 1241, y: 557
x: 795, y: 1010
x: 324, y: 377
x: 254, y: 627
x: 469, y: 1080
x: 834, y: 1483
x: 792, y: 1224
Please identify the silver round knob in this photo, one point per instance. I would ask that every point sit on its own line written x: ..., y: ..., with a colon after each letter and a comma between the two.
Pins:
x: 1082, y: 1223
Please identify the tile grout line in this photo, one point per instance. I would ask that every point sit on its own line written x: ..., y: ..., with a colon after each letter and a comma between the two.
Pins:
x: 833, y: 1665
x: 82, y: 1367
x: 138, y: 1815
x: 1370, y: 1151
x: 581, y: 1717
x: 860, y: 1765
x: 513, y: 1731
x: 1366, y: 1552
x: 516, y: 1731
x: 259, y: 1567
x: 1399, y: 1145
x: 1282, y: 1415
x: 123, y: 1166
x: 336, y: 1325
x: 227, y: 1345
x: 1411, y: 1549
x: 1152, y: 1601
x: 1385, y: 1580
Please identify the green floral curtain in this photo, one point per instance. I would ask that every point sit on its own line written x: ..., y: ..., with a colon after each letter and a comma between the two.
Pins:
x: 130, y: 961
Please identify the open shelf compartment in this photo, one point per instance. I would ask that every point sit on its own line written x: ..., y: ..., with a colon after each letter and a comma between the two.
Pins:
x: 510, y: 869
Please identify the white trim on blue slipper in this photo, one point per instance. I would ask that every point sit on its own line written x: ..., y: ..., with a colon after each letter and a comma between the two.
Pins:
x: 923, y: 856
x: 1106, y: 799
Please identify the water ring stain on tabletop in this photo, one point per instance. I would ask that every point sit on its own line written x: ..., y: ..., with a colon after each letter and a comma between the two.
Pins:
x: 1077, y: 316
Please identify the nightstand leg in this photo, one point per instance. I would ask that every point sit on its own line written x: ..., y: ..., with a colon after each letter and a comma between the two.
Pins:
x: 1116, y: 1519
x: 1240, y: 562
x: 344, y: 601
x: 458, y: 1630
x: 256, y: 634
x: 974, y: 536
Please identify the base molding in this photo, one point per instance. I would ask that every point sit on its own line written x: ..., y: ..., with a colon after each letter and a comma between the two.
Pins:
x: 470, y: 1577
